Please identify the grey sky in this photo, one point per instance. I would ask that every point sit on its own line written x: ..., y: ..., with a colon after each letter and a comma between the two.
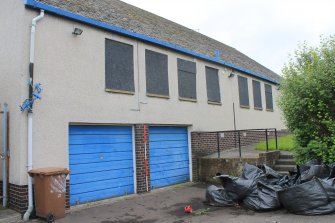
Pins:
x: 265, y: 30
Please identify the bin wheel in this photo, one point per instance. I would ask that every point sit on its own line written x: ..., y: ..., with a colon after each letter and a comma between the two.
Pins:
x: 50, y: 217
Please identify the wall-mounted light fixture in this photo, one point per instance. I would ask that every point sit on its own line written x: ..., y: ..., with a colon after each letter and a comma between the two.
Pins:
x: 77, y: 31
x: 231, y: 75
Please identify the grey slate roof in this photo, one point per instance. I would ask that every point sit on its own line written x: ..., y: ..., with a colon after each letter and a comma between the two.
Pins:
x: 125, y: 16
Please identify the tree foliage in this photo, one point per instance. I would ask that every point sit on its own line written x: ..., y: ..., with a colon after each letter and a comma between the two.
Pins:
x: 308, y: 100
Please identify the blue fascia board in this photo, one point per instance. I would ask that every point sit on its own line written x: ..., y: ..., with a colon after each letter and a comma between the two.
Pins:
x: 83, y: 19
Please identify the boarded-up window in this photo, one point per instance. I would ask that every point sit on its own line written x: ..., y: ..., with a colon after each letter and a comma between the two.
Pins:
x: 256, y: 87
x: 213, y: 86
x: 119, y: 66
x: 268, y: 97
x: 187, y: 87
x: 157, y: 80
x: 243, y: 91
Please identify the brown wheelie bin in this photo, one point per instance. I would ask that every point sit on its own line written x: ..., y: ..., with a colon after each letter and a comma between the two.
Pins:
x: 50, y: 192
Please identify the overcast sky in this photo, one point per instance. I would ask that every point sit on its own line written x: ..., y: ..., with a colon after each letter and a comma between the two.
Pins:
x: 265, y: 30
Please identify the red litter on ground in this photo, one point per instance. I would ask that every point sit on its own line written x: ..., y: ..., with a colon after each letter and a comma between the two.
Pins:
x: 188, y: 209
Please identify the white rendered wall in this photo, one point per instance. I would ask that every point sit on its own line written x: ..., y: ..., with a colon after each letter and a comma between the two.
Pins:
x: 71, y: 70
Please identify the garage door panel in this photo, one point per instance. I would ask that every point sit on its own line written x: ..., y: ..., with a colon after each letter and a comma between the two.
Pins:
x: 102, y: 194
x: 99, y: 157
x: 171, y: 173
x: 102, y: 184
x: 100, y: 166
x: 168, y: 137
x: 168, y: 130
x: 97, y: 176
x: 101, y: 162
x: 168, y: 144
x: 168, y: 151
x: 169, y: 158
x: 100, y: 148
x: 99, y: 139
x: 170, y: 181
x: 168, y: 166
x: 99, y: 130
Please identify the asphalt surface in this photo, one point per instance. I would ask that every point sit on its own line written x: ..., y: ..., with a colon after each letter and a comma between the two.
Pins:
x: 167, y: 205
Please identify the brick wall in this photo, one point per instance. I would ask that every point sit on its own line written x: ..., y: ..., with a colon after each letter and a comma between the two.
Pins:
x: 208, y: 167
x: 18, y: 197
x: 140, y: 161
x: 67, y: 197
x: 206, y: 143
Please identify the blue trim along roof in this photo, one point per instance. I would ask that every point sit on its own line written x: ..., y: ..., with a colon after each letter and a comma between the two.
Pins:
x: 79, y: 18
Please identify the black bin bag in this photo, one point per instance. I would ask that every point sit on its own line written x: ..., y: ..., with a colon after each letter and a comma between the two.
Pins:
x: 263, y: 198
x: 311, y: 198
x: 217, y: 196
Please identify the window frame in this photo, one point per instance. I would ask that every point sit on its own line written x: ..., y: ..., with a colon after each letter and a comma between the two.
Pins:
x: 108, y: 87
x: 182, y: 70
x: 165, y: 71
x: 266, y: 97
x: 239, y: 80
x: 208, y: 71
x: 254, y: 82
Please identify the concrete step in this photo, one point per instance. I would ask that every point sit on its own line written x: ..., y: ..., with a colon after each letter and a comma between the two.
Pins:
x: 285, y: 156
x: 284, y: 167
x: 285, y: 162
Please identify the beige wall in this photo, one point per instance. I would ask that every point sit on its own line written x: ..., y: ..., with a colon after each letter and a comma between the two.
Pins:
x: 71, y: 70
x: 14, y: 63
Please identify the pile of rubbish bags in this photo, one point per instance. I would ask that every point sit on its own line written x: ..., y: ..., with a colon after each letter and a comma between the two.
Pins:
x: 309, y: 190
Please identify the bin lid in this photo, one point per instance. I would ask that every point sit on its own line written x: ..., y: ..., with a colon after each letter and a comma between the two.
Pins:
x: 49, y: 171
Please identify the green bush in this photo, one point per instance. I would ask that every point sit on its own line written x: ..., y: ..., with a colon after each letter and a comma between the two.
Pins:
x: 308, y: 100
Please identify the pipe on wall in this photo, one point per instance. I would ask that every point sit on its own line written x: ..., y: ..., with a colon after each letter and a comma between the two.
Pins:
x: 30, y: 114
x: 5, y: 163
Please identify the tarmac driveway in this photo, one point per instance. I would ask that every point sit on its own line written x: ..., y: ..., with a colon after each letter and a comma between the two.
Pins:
x: 167, y: 205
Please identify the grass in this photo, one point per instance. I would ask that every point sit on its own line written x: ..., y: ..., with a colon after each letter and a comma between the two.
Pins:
x: 284, y: 143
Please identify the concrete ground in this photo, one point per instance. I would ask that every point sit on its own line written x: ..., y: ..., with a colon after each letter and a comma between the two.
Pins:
x: 166, y: 205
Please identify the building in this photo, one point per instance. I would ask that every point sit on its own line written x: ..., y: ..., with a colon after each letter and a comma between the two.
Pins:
x: 130, y: 74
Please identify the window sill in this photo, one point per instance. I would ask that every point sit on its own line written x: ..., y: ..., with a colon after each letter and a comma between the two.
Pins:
x: 244, y: 106
x: 158, y: 96
x: 188, y: 99
x: 258, y: 109
x: 214, y: 103
x: 269, y: 110
x: 119, y: 91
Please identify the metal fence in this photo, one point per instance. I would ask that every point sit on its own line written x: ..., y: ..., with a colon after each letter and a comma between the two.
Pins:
x: 239, y: 138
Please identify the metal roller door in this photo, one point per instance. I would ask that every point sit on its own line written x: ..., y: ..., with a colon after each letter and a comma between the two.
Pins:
x: 169, y: 156
x: 101, y: 162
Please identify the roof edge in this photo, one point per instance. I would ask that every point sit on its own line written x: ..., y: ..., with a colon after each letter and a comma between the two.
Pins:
x: 37, y: 5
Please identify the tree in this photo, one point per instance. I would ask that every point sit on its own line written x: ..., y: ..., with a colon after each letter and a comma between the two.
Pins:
x: 308, y: 100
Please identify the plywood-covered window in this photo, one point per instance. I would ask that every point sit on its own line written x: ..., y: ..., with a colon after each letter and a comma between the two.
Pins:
x: 213, y: 85
x: 256, y: 88
x: 243, y: 91
x: 268, y: 97
x: 156, y: 68
x: 119, y: 67
x: 187, y: 86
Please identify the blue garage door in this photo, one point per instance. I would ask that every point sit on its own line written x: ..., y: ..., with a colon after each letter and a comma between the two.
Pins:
x: 169, y: 161
x: 101, y: 162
